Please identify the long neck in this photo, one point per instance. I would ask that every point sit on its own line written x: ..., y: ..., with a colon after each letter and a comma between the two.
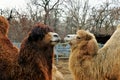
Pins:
x: 37, y: 59
x: 79, y: 46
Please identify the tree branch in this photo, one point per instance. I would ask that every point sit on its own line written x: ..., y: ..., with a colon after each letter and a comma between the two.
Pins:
x: 54, y: 5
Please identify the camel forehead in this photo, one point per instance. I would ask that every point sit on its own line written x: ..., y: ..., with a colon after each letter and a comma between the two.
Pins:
x: 81, y: 33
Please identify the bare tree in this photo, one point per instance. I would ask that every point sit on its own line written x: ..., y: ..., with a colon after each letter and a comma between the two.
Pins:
x: 47, y: 5
x: 1, y: 12
x: 34, y: 12
x: 77, y: 13
x: 105, y: 16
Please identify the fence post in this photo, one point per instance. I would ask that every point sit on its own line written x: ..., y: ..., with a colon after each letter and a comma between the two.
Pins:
x: 55, y: 52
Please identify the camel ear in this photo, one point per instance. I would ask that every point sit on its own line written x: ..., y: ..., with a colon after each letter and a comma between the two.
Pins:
x: 36, y: 34
x: 92, y: 47
x: 33, y: 37
x: 88, y: 37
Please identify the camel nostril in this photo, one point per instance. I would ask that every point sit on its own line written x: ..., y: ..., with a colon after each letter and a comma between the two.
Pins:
x: 55, y: 35
x: 70, y: 42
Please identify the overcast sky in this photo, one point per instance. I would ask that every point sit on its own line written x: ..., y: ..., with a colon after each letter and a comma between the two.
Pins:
x: 12, y: 3
x: 21, y: 3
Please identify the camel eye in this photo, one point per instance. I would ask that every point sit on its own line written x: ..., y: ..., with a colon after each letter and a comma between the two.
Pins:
x: 78, y: 37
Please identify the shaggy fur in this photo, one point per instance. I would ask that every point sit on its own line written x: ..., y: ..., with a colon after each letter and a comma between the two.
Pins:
x: 36, y: 54
x: 8, y: 51
x: 103, y: 65
x: 34, y: 60
x: 57, y: 75
x: 4, y: 25
x: 109, y: 57
x: 83, y: 49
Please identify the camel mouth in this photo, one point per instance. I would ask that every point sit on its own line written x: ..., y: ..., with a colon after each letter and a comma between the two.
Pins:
x: 57, y: 41
x: 55, y: 38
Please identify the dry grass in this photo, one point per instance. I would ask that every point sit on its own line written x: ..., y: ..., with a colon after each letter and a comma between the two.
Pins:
x: 62, y: 66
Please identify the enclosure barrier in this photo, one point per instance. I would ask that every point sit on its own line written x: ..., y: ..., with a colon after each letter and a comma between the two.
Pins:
x: 61, y: 50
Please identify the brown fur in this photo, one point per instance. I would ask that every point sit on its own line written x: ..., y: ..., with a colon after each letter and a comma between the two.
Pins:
x: 34, y: 61
x: 4, y: 25
x: 36, y: 55
x: 83, y: 49
x: 110, y: 63
x: 8, y: 51
x: 103, y: 65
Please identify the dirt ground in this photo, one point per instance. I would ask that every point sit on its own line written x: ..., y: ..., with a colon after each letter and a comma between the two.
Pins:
x: 62, y: 66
